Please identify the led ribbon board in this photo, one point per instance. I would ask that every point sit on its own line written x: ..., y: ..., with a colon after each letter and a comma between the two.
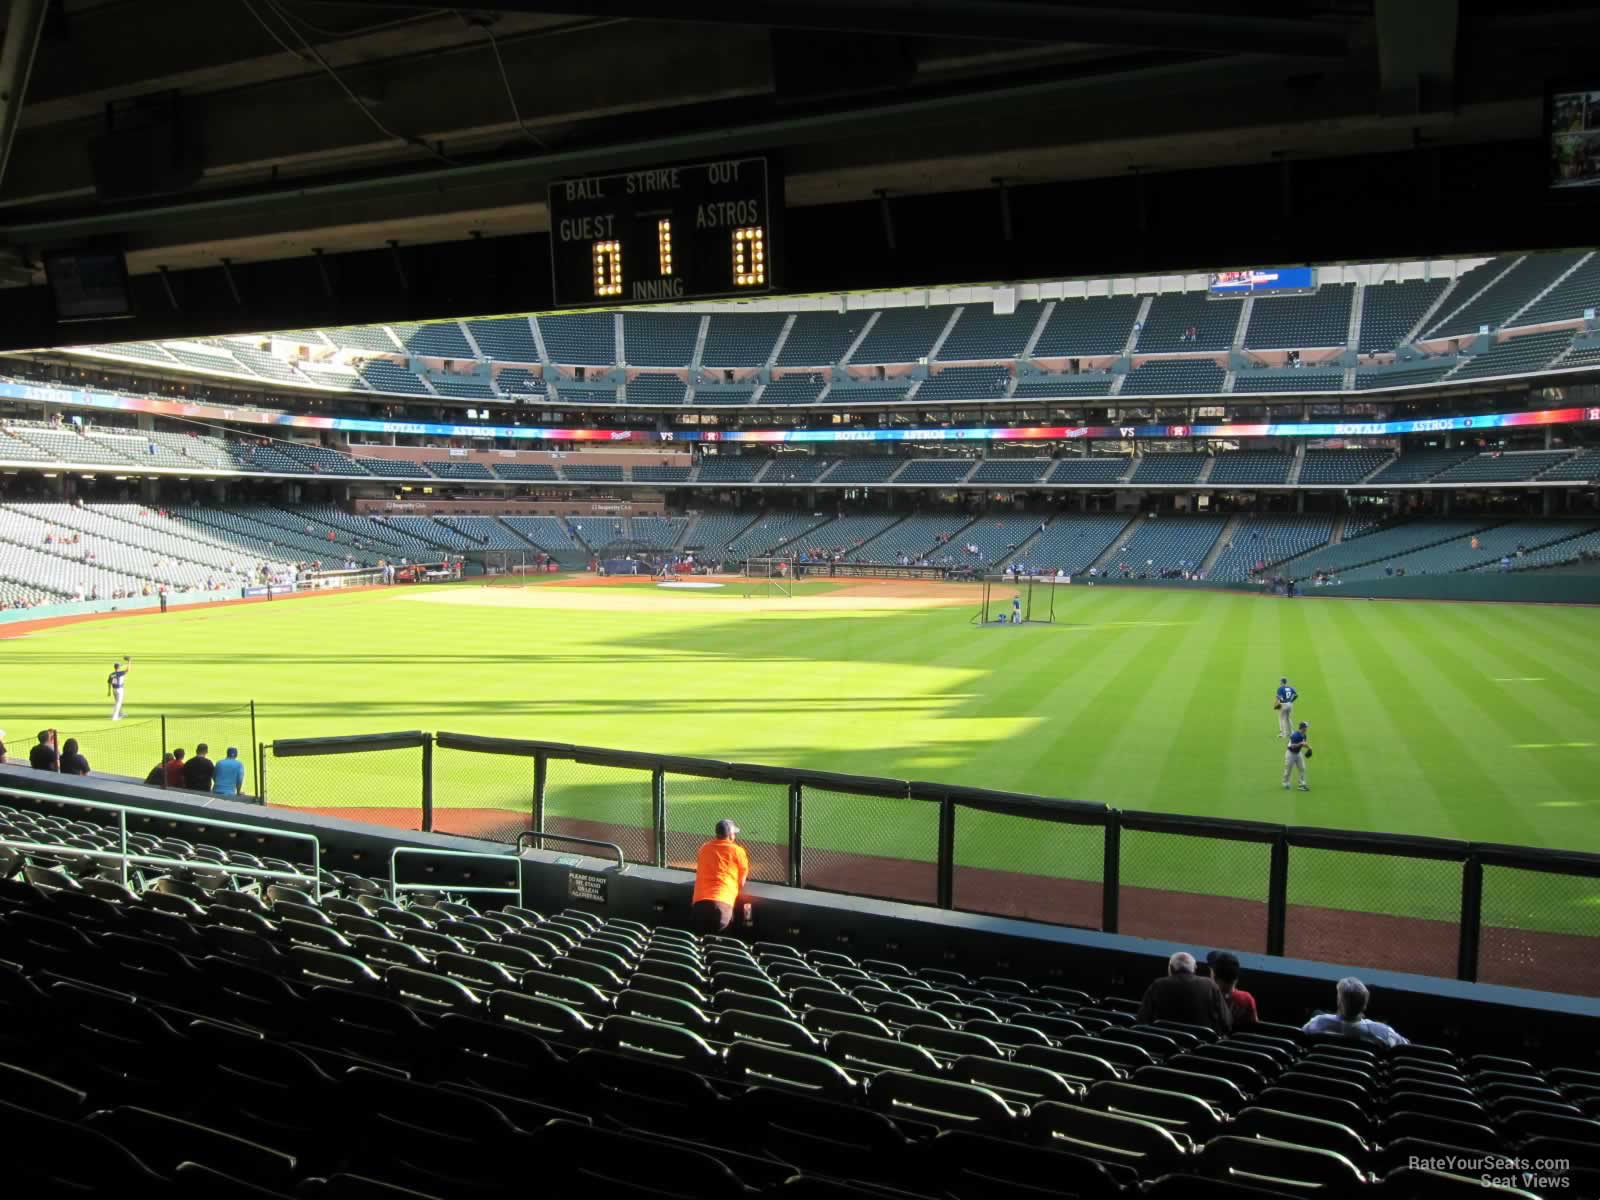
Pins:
x: 1011, y: 433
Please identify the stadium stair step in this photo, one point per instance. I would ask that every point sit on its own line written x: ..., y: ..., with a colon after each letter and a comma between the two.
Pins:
x: 1038, y: 329
x: 538, y: 339
x: 699, y: 344
x: 777, y: 346
x: 1297, y: 466
x: 860, y: 337
x: 938, y: 342
x: 1109, y: 555
x: 1337, y: 536
x: 1425, y: 321
x: 1358, y: 305
x: 1510, y: 267
x: 1229, y: 531
x: 1139, y: 319
x: 1205, y: 471
x: 1246, y: 311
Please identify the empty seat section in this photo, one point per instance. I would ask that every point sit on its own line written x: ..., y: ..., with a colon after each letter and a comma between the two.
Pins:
x: 741, y: 339
x: 1072, y: 543
x: 505, y: 339
x: 1096, y: 326
x: 936, y: 470
x: 581, y: 339
x: 1341, y: 466
x: 1062, y: 387
x: 439, y: 339
x: 1389, y: 311
x: 1160, y: 544
x: 1264, y: 541
x: 819, y: 339
x: 1509, y: 291
x: 1187, y: 321
x: 794, y: 388
x: 1169, y: 468
x: 1301, y: 322
x: 902, y: 335
x: 656, y: 388
x: 1515, y: 355
x: 382, y: 375
x: 1091, y: 468
x: 1245, y: 467
x: 659, y: 339
x: 1174, y: 376
x: 1011, y: 470
x: 980, y: 332
x: 865, y: 469
x: 1287, y: 380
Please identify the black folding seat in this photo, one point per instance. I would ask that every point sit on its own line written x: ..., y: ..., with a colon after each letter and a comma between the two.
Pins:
x: 581, y: 995
x: 657, y: 1040
x: 1440, y: 1106
x: 513, y: 958
x: 863, y: 1053
x: 735, y: 1025
x: 789, y: 980
x: 432, y: 991
x: 46, y: 942
x: 946, y: 1103
x: 1204, y: 1033
x: 644, y: 981
x: 580, y: 1160
x: 527, y: 916
x: 1528, y: 1124
x: 951, y: 1042
x: 1158, y: 1045
x: 492, y: 925
x: 961, y: 1013
x: 342, y: 906
x: 543, y: 1016
x: 1311, y: 1080
x: 925, y: 994
x: 546, y: 948
x: 621, y: 957
x: 246, y: 901
x: 463, y: 931
x: 239, y: 918
x: 252, y: 996
x: 774, y: 949
x: 430, y: 941
x: 40, y: 1093
x: 435, y: 1138
x: 500, y: 1057
x: 283, y: 891
x: 89, y: 913
x: 151, y: 969
x: 816, y: 997
x: 665, y: 1008
x: 748, y: 983
x: 167, y: 885
x: 674, y: 967
x: 1112, y: 1016
x: 1265, y: 1064
x: 1181, y: 1038
x: 312, y: 967
x: 1143, y: 1145
x: 824, y: 1136
x: 1302, y: 1131
x: 873, y: 994
x: 1074, y: 1064
x: 1015, y: 1081
x: 1253, y: 1160
x: 353, y: 927
x: 1122, y: 1053
x: 898, y: 1013
x: 587, y: 919
x: 1315, y: 1104
x: 730, y: 1001
x: 589, y: 972
x: 386, y: 952
x: 648, y: 1095
x: 1053, y: 1027
x: 1180, y: 1111
x: 473, y: 971
x: 1224, y: 1094
x: 1433, y: 1128
x: 242, y: 945
x: 400, y: 918
x: 50, y: 1157
x: 374, y: 1027
x: 881, y: 966
x: 163, y: 1142
x: 121, y: 1042
x: 791, y: 1071
x: 979, y: 1167
x: 1006, y: 1034
x: 825, y: 1021
x: 304, y: 933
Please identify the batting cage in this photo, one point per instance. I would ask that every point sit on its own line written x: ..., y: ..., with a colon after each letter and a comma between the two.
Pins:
x: 768, y: 577
x: 1008, y: 600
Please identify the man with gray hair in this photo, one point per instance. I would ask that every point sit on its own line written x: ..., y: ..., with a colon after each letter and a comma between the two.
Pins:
x: 1350, y: 1020
x: 1181, y: 995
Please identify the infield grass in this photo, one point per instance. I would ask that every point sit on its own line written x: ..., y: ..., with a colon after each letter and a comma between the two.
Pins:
x: 1470, y: 721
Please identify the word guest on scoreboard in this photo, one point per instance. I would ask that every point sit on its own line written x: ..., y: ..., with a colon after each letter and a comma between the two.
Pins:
x: 663, y: 234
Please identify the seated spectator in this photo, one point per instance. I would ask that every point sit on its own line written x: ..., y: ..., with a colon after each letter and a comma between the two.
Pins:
x: 228, y: 779
x: 158, y: 773
x: 1350, y: 1021
x: 42, y: 757
x: 198, y: 771
x: 1181, y: 995
x: 1225, y: 971
x: 2, y: 745
x: 72, y: 760
x: 175, y: 769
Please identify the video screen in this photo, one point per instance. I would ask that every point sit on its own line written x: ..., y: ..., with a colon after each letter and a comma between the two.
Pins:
x: 1264, y: 281
x: 1574, y: 139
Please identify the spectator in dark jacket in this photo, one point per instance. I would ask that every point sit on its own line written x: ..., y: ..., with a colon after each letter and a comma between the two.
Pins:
x: 175, y: 769
x: 1181, y: 995
x: 199, y: 770
x: 42, y: 757
x: 158, y: 773
x: 72, y: 760
x: 1241, y: 1005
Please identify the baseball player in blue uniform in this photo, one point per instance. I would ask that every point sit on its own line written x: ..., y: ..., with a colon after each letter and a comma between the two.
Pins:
x: 1283, y: 700
x: 114, y: 684
x: 1295, y: 755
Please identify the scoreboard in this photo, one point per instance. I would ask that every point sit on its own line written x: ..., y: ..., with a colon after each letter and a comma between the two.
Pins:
x: 664, y: 234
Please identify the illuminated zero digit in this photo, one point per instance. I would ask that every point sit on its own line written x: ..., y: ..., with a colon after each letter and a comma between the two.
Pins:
x: 750, y: 256
x: 608, y: 268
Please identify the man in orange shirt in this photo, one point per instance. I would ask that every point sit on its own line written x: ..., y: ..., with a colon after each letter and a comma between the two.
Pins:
x: 721, y: 869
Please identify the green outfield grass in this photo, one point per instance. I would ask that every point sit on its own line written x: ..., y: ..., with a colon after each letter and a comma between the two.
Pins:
x: 1456, y: 720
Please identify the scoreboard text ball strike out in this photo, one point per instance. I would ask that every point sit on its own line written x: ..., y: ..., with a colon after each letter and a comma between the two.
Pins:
x: 669, y: 233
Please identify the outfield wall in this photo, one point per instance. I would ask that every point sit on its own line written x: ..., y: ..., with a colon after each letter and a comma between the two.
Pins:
x: 1512, y: 587
x: 1472, y: 911
x: 1495, y: 1018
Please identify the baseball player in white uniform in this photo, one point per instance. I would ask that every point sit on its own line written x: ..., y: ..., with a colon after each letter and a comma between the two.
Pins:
x: 1283, y: 700
x: 114, y: 684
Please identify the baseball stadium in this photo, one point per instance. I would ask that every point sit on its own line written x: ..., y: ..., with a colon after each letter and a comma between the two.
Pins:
x: 697, y: 683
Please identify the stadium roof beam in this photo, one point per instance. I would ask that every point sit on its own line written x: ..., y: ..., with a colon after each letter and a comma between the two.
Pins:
x: 1187, y: 28
x: 24, y: 24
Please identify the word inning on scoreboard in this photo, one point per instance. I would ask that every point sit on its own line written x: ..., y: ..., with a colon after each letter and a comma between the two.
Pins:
x: 664, y: 234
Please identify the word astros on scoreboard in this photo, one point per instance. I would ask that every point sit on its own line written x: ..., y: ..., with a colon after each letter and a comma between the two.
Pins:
x: 667, y: 233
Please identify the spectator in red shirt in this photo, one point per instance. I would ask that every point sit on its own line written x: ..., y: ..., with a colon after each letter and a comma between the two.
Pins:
x: 1225, y: 970
x: 175, y: 769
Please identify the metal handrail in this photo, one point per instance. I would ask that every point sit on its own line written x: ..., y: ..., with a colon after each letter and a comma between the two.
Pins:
x: 186, y: 864
x: 622, y: 861
x: 122, y: 811
x: 396, y: 887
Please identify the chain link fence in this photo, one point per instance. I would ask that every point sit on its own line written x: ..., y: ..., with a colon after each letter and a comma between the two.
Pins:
x: 1391, y: 912
x: 216, y: 731
x: 612, y: 804
x: 1207, y: 891
x: 695, y: 803
x: 1017, y: 866
x: 129, y: 748
x: 1538, y: 930
x: 375, y: 786
x: 482, y: 795
x: 885, y: 846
